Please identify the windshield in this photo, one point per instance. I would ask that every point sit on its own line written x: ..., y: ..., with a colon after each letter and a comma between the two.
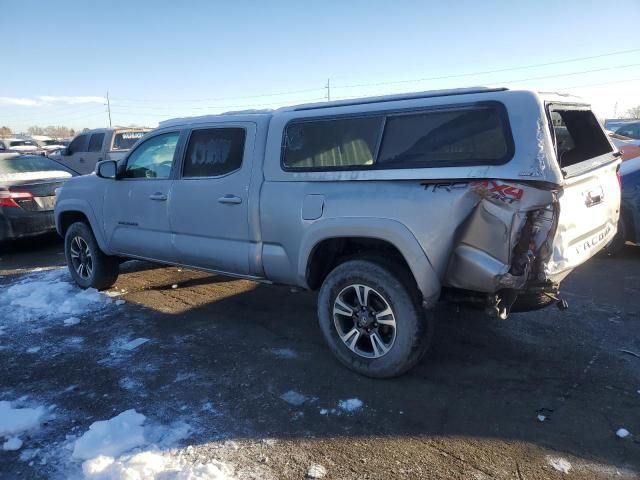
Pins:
x: 22, y: 143
x: 126, y: 140
x: 31, y: 163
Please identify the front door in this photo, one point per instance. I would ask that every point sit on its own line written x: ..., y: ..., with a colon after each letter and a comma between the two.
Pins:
x: 136, y: 204
x: 209, y: 211
x: 75, y: 154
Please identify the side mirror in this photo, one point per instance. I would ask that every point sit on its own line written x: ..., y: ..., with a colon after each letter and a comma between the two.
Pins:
x: 107, y: 169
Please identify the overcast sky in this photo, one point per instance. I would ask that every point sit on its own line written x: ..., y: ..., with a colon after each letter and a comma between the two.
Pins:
x: 164, y: 59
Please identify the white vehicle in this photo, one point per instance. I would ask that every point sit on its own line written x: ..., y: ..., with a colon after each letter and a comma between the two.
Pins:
x: 48, y: 144
x: 20, y: 145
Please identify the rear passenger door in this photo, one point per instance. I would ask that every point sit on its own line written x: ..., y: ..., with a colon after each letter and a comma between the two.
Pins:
x: 208, y: 209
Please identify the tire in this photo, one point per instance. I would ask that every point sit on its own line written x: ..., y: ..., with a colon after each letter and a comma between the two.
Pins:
x: 396, y: 348
x: 528, y: 302
x: 100, y: 271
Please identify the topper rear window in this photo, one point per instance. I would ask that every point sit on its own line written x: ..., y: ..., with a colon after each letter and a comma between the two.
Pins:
x: 578, y: 135
x: 470, y: 135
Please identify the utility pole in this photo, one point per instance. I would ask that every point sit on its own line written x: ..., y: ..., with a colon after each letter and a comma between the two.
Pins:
x: 328, y: 87
x: 109, y: 108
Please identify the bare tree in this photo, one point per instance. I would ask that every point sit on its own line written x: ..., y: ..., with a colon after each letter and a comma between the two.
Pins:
x: 634, y: 112
x: 5, y: 132
x: 35, y: 130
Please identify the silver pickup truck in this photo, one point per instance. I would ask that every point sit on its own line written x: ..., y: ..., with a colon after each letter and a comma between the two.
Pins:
x: 93, y: 146
x: 488, y: 197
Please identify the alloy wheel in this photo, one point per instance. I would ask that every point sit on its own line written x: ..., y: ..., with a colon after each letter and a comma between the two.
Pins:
x: 81, y: 258
x: 364, y: 321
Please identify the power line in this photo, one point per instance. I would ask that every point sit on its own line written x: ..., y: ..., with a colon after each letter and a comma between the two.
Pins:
x: 211, y: 107
x: 503, y: 82
x: 194, y: 100
x: 601, y: 84
x: 486, y: 72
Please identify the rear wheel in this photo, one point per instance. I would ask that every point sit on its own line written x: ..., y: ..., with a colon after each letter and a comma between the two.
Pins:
x: 88, y: 265
x: 371, y: 318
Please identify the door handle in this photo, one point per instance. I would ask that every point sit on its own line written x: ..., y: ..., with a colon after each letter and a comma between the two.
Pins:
x: 230, y: 199
x: 158, y: 196
x: 82, y: 159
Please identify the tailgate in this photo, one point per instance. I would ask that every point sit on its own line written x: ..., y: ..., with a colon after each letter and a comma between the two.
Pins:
x: 589, y: 198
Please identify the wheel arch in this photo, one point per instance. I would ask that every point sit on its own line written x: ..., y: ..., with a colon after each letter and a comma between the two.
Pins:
x: 329, y: 241
x: 69, y: 211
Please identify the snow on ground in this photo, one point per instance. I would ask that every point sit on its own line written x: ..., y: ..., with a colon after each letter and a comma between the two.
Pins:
x: 622, y: 433
x: 13, y: 443
x: 48, y: 295
x: 293, y: 398
x: 283, y: 353
x: 111, y: 437
x: 350, y: 405
x: 123, y: 447
x: 14, y: 421
x: 559, y: 464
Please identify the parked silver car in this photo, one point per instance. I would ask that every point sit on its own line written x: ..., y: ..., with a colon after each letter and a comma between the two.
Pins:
x: 489, y: 197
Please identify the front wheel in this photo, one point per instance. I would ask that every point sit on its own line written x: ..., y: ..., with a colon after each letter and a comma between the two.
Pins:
x: 88, y: 265
x: 371, y: 318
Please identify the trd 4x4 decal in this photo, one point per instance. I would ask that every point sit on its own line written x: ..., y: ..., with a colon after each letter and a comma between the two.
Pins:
x: 499, y: 191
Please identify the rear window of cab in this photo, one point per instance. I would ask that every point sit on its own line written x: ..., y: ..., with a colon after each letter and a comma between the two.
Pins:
x: 476, y: 134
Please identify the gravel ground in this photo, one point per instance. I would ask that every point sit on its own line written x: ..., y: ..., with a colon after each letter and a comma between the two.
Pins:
x: 221, y: 353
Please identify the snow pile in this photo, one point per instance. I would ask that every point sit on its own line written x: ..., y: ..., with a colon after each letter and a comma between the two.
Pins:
x: 622, y: 433
x: 16, y: 420
x: 120, y: 448
x: 49, y: 294
x: 316, y: 471
x: 14, y: 443
x: 111, y: 437
x: 153, y: 464
x: 350, y: 405
x: 560, y: 464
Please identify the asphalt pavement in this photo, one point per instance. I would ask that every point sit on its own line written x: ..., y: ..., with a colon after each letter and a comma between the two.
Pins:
x: 516, y: 399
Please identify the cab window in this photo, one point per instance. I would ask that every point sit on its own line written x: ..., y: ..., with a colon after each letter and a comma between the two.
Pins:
x: 213, y: 152
x: 95, y: 144
x: 78, y: 144
x: 153, y: 158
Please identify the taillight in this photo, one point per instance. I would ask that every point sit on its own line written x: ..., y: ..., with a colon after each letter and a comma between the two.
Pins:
x: 8, y: 198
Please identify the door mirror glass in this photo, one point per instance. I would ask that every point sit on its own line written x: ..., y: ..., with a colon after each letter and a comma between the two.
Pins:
x: 107, y: 169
